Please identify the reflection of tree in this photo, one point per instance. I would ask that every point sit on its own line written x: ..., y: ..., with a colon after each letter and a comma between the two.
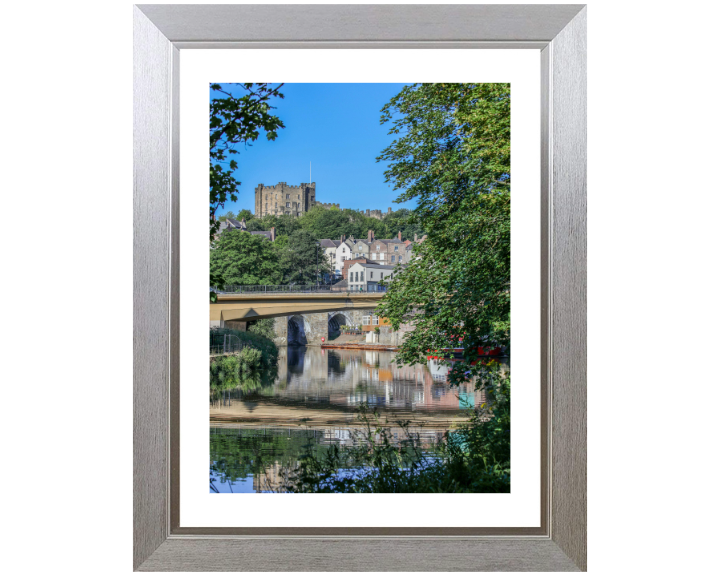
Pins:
x: 236, y: 454
x: 223, y: 393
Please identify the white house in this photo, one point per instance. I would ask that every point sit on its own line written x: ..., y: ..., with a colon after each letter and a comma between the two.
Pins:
x: 365, y: 277
x: 344, y: 251
x: 330, y: 248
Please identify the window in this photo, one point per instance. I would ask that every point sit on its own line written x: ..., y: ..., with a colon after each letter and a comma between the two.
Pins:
x: 287, y: 196
x: 382, y: 256
x: 362, y: 276
x: 396, y: 248
x: 287, y: 204
x: 400, y: 258
x: 392, y: 258
x: 371, y: 274
x: 298, y: 196
x: 381, y: 275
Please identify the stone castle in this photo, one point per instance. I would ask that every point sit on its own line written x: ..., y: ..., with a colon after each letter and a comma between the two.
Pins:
x: 283, y: 198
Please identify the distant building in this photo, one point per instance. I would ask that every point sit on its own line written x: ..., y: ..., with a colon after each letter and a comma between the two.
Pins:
x: 365, y: 277
x: 361, y: 248
x: 386, y: 251
x: 345, y: 250
x: 283, y: 198
x: 330, y: 248
x: 348, y: 263
x: 410, y: 245
x: 377, y: 213
x: 232, y: 224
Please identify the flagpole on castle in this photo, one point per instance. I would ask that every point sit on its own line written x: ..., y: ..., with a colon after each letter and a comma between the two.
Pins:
x: 310, y: 172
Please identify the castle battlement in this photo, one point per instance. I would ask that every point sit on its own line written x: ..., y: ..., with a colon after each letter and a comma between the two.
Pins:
x: 284, y: 198
x: 295, y: 200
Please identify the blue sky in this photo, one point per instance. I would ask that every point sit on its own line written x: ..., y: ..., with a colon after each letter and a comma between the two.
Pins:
x: 337, y: 128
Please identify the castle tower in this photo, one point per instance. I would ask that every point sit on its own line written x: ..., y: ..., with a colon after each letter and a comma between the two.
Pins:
x: 284, y: 198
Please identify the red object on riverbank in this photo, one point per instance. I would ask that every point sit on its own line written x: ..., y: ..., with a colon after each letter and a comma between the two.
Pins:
x: 457, y: 353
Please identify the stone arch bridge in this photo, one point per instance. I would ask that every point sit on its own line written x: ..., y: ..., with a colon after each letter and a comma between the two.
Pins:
x: 303, y: 318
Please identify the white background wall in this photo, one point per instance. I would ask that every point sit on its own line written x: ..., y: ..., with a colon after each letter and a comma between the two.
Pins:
x: 653, y: 377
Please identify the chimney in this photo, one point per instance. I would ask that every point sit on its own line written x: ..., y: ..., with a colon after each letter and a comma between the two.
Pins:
x: 370, y: 236
x: 272, y: 234
x: 400, y: 236
x: 415, y: 237
x: 342, y: 238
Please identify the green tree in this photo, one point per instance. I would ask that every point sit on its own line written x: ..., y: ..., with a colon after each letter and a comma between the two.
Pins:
x: 243, y: 258
x: 452, y: 153
x: 228, y: 214
x: 302, y: 259
x: 245, y: 213
x: 403, y: 221
x: 236, y: 120
x: 327, y: 223
x: 284, y: 224
x: 264, y: 327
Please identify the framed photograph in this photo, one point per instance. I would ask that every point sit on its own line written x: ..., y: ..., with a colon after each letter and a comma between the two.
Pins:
x: 369, y: 282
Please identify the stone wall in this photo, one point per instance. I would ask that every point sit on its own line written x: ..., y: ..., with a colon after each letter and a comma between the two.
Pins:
x: 281, y: 329
x: 316, y: 328
x: 274, y: 199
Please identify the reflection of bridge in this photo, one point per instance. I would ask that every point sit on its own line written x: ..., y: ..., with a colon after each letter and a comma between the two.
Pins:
x: 309, y: 314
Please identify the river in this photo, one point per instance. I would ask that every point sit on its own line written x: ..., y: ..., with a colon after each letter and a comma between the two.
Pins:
x: 260, y: 429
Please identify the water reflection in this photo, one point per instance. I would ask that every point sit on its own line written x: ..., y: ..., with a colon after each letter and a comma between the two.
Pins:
x: 257, y: 430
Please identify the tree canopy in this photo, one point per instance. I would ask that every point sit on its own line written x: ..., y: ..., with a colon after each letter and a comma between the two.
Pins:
x: 332, y: 223
x: 302, y: 261
x: 242, y: 258
x: 239, y: 257
x: 236, y: 120
x: 452, y: 154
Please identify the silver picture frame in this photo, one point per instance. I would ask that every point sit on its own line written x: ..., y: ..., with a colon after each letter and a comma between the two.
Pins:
x: 161, y: 33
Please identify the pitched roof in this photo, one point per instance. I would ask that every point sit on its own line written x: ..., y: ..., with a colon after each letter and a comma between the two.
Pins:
x: 374, y: 266
x: 327, y: 243
x: 267, y: 235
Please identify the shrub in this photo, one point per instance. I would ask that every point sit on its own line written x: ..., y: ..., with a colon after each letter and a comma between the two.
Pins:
x: 473, y: 458
x: 265, y: 345
x: 250, y: 359
x: 224, y: 372
x: 264, y: 327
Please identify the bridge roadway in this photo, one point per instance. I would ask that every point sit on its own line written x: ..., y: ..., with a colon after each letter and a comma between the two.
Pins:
x: 244, y: 307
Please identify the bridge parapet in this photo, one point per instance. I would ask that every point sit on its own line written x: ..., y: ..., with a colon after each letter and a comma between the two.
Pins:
x: 293, y: 289
x: 253, y: 306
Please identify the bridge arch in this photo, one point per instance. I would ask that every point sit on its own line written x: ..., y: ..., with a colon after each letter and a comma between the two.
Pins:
x: 297, y: 330
x: 335, y: 320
